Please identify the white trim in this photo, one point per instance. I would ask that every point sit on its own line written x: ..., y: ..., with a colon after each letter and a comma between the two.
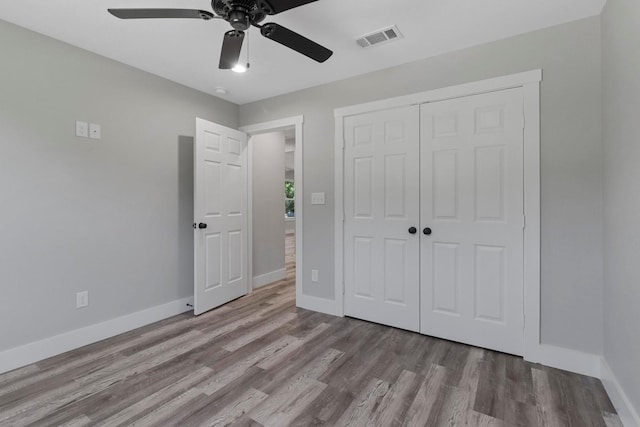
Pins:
x: 465, y: 89
x: 567, y: 359
x: 17, y: 357
x: 321, y: 305
x: 530, y: 82
x: 338, y: 287
x: 531, y: 294
x: 249, y: 211
x: 626, y: 412
x: 272, y: 126
x: 267, y: 278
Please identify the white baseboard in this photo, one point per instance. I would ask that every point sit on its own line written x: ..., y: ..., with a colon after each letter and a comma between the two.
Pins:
x: 17, y: 357
x: 564, y: 358
x: 267, y: 278
x: 321, y: 305
x: 627, y: 413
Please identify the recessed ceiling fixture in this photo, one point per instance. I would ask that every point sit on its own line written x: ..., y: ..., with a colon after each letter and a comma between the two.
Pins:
x: 385, y: 35
x: 220, y: 90
x: 241, y: 14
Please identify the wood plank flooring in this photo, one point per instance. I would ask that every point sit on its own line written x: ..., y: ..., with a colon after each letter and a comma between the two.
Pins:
x: 260, y: 361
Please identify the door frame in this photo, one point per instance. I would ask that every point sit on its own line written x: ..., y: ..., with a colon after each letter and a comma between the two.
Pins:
x: 530, y: 82
x: 274, y: 126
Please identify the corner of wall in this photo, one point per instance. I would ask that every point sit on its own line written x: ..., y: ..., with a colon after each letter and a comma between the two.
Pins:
x: 629, y: 415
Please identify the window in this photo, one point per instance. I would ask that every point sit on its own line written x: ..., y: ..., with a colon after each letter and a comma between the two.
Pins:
x: 289, y: 199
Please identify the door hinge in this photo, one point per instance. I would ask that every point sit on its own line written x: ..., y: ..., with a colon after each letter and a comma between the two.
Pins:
x: 523, y: 121
x: 524, y: 222
x: 342, y: 216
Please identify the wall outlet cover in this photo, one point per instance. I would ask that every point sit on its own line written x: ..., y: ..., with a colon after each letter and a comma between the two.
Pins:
x: 94, y: 131
x: 82, y: 299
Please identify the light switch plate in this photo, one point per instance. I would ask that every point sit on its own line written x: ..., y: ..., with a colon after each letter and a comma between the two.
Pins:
x: 82, y: 129
x: 94, y: 131
x: 317, y: 198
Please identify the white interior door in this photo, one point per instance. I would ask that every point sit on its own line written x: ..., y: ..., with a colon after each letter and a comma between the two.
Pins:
x: 472, y: 200
x: 381, y: 201
x: 220, y: 213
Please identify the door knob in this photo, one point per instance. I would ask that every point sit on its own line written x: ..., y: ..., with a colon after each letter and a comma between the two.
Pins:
x: 413, y: 230
x: 202, y: 225
x: 427, y: 231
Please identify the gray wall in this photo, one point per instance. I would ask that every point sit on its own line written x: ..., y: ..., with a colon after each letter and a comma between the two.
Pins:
x: 621, y: 77
x: 268, y: 203
x: 113, y: 216
x: 572, y: 216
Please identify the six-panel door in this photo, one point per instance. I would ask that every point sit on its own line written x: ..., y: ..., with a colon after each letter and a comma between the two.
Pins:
x: 381, y: 205
x: 220, y: 208
x: 472, y: 200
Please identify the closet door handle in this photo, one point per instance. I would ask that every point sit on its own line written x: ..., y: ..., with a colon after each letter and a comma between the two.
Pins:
x: 202, y: 225
x: 413, y: 230
x: 426, y: 231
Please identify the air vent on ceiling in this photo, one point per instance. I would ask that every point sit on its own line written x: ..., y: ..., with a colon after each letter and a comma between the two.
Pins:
x: 385, y: 35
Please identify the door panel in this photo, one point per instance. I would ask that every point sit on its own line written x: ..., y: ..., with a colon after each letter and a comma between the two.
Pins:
x: 220, y: 203
x: 472, y: 198
x: 445, y: 279
x: 381, y: 204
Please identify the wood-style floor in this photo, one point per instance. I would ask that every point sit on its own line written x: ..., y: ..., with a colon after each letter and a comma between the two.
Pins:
x: 261, y: 361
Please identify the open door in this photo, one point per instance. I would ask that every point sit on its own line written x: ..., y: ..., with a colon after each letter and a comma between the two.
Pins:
x: 220, y: 216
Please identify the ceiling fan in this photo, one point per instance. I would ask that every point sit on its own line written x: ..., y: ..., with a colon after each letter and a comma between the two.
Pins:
x: 241, y: 14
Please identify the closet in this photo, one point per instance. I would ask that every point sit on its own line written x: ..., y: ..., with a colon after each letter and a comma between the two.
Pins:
x: 433, y: 208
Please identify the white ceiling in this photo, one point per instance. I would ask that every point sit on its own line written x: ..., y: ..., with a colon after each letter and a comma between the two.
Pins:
x: 187, y: 51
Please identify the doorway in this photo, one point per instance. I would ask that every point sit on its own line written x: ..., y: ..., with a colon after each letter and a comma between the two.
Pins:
x: 293, y: 241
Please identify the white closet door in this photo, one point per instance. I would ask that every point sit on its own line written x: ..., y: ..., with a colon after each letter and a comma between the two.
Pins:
x: 220, y: 196
x: 381, y: 202
x: 472, y: 200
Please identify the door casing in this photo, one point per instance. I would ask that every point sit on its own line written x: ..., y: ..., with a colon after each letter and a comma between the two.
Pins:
x: 530, y: 82
x: 273, y: 126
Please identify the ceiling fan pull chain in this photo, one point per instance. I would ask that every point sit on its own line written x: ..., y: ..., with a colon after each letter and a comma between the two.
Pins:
x: 248, y: 43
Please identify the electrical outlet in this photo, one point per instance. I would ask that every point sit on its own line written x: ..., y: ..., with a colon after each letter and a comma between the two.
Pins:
x: 314, y: 276
x: 94, y: 131
x: 82, y: 299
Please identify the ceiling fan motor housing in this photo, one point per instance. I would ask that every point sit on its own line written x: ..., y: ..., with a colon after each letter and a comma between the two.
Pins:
x: 239, y: 20
x: 242, y: 13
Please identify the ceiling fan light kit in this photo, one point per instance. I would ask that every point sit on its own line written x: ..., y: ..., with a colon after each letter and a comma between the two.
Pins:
x: 241, y: 15
x: 240, y: 68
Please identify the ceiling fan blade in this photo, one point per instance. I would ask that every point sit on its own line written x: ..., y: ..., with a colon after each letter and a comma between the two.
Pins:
x: 231, y: 47
x: 161, y: 13
x: 295, y: 41
x: 282, y: 5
